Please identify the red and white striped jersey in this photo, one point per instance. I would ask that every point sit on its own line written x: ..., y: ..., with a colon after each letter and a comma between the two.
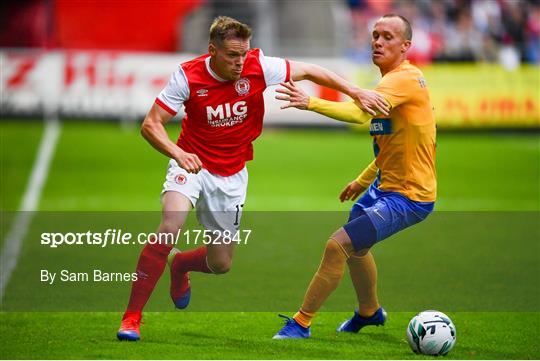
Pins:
x: 223, y: 117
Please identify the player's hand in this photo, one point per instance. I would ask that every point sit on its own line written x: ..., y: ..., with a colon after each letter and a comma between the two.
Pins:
x: 189, y: 161
x: 351, y: 191
x: 370, y: 101
x: 296, y: 97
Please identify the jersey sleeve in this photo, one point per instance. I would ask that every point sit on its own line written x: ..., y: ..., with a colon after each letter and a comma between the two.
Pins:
x: 343, y: 111
x: 175, y: 93
x: 396, y: 88
x: 368, y: 175
x: 276, y: 70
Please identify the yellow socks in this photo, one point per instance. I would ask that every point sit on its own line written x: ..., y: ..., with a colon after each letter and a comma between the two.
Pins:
x: 324, y: 282
x: 303, y: 318
x: 363, y: 271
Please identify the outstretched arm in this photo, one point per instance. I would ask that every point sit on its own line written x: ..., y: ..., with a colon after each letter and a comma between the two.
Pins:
x: 154, y: 132
x: 344, y: 111
x: 367, y: 100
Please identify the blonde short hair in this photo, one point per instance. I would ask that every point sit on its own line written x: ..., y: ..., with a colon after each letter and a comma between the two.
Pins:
x: 224, y: 27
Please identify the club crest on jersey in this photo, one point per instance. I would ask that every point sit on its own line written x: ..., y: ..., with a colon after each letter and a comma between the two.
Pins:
x: 242, y: 86
x: 180, y: 179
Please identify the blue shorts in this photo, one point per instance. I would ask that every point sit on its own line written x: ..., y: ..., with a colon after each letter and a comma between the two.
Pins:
x: 378, y: 215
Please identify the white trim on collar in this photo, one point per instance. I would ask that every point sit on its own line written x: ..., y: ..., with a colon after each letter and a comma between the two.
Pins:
x: 212, y: 73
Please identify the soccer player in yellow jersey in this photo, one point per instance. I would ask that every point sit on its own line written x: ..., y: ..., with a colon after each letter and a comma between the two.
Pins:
x: 403, y: 191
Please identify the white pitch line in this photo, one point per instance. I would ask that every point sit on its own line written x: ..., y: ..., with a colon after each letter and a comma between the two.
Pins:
x: 13, y: 242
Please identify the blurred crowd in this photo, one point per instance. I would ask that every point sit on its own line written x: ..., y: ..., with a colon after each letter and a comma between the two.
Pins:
x: 504, y: 31
x: 494, y: 31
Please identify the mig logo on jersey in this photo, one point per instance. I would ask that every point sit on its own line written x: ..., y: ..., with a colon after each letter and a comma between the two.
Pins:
x: 226, y: 115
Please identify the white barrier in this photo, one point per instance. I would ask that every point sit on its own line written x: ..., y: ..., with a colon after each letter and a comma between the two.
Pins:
x: 117, y: 85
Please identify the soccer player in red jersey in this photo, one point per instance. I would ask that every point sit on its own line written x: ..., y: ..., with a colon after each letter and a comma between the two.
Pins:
x: 222, y: 92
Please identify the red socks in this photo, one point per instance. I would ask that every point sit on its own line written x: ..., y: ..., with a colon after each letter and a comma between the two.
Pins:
x: 183, y: 262
x: 149, y: 269
x: 192, y: 260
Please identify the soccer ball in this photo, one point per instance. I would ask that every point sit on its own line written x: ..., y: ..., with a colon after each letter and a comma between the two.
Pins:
x: 431, y: 333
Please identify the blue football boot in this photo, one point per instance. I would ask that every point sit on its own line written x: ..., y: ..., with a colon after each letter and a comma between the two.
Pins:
x: 357, y: 322
x: 292, y: 329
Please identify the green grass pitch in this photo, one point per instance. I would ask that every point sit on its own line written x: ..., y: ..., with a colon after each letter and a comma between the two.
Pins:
x: 489, y: 182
